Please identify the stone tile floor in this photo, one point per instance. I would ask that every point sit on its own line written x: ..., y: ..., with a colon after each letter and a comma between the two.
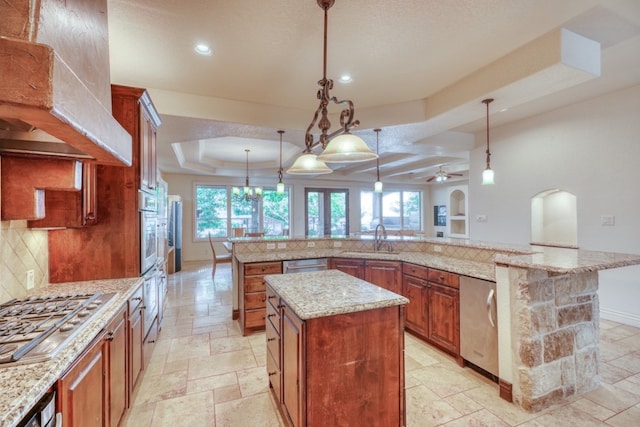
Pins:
x: 203, y: 372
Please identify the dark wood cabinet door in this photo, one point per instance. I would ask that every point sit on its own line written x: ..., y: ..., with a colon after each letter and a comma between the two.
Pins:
x: 417, y: 310
x: 353, y: 267
x: 135, y: 348
x: 386, y: 274
x: 444, y: 317
x: 293, y: 368
x: 81, y: 390
x: 117, y: 381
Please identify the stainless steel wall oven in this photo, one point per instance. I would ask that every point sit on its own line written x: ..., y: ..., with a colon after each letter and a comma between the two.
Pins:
x: 148, y: 231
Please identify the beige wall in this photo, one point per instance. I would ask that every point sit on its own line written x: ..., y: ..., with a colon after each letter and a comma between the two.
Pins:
x: 21, y: 249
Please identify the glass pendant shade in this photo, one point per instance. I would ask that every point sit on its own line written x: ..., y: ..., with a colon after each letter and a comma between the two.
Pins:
x: 308, y: 164
x: 347, y: 148
x: 280, y: 188
x: 377, y: 187
x: 487, y: 177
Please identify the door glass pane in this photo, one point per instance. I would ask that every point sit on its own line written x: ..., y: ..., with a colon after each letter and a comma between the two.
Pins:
x: 326, y: 212
x: 411, y: 208
x: 338, y: 214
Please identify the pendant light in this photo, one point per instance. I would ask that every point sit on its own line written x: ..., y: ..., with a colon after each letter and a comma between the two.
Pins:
x: 339, y: 146
x: 487, y: 175
x: 247, y: 193
x: 377, y: 187
x: 280, y: 185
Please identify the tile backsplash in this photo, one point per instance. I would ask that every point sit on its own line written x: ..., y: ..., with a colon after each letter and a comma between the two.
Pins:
x: 21, y: 249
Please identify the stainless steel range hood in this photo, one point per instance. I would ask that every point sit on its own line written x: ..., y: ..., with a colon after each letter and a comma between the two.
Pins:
x: 55, y: 94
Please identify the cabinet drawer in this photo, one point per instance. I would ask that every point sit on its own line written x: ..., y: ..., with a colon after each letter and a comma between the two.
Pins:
x: 415, y: 270
x: 262, y: 268
x: 273, y: 343
x: 274, y: 377
x: 272, y: 298
x: 254, y: 284
x: 273, y: 315
x: 254, y: 318
x: 444, y: 278
x: 135, y: 300
x: 254, y: 300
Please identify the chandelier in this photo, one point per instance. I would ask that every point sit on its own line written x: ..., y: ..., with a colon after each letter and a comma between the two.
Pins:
x: 247, y: 193
x: 339, y: 146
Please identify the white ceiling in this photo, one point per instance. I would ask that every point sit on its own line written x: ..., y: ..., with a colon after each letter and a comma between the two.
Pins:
x: 420, y: 70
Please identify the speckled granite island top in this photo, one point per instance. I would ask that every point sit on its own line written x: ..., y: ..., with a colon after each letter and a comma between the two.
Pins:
x: 327, y: 293
x: 23, y: 385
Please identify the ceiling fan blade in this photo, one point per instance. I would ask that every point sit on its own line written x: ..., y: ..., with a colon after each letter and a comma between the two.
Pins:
x: 431, y: 178
x: 454, y: 174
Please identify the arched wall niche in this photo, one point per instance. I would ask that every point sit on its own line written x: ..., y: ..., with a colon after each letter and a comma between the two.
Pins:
x: 554, y: 219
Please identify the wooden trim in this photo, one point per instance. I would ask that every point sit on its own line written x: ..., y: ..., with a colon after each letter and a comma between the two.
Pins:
x: 235, y: 314
x: 506, y: 390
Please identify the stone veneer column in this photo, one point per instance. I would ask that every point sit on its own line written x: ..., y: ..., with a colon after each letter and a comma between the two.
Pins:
x: 554, y: 329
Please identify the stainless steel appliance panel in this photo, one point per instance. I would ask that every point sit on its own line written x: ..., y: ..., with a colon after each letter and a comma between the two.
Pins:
x: 478, y: 323
x: 304, y: 265
x: 148, y: 231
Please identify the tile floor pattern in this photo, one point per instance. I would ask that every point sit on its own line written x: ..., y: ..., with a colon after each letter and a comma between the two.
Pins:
x: 203, y: 372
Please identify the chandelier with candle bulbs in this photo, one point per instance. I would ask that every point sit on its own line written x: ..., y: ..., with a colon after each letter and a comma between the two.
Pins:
x: 247, y: 193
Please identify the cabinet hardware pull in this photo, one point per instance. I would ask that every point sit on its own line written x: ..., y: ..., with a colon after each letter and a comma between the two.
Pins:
x: 270, y: 315
x: 442, y: 278
x: 272, y: 373
x: 490, y: 306
x: 270, y: 339
x: 271, y: 296
x: 136, y: 299
x: 110, y: 336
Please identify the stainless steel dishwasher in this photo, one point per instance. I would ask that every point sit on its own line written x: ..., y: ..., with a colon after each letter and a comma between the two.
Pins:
x: 304, y: 265
x: 478, y: 323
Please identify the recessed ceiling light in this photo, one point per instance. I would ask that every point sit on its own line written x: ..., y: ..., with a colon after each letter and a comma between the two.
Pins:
x: 203, y: 49
x: 346, y: 78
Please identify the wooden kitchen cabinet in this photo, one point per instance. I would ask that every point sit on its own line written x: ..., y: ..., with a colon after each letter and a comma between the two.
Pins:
x: 135, y: 339
x: 331, y: 374
x: 111, y: 248
x: 71, y: 208
x: 386, y: 274
x: 433, y: 312
x: 352, y: 266
x: 252, y: 294
x: 273, y: 334
x: 117, y: 359
x: 82, y: 390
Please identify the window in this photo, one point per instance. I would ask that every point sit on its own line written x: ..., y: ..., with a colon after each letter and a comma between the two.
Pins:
x: 396, y: 210
x: 217, y: 212
x: 326, y: 212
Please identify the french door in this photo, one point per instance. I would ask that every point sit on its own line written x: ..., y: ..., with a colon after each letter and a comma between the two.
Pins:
x: 326, y: 212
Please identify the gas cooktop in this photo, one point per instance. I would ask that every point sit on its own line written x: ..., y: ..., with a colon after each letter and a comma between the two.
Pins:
x: 35, y: 329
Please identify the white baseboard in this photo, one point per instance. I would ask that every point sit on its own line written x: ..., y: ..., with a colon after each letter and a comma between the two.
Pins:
x: 620, y: 317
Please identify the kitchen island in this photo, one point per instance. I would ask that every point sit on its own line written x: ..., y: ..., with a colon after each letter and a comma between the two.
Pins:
x: 335, y: 350
x: 547, y: 301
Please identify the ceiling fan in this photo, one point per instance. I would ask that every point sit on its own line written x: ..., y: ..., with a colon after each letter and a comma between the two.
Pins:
x: 442, y: 176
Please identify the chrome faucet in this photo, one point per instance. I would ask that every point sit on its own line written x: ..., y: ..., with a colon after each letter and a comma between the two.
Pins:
x: 378, y: 239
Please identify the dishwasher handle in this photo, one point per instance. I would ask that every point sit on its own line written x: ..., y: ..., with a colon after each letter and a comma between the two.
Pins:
x: 490, y: 300
x: 302, y: 267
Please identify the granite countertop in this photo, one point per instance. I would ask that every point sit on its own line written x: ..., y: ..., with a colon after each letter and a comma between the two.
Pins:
x: 23, y: 385
x: 327, y: 293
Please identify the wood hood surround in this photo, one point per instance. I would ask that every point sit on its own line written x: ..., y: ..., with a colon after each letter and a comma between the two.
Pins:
x: 55, y: 93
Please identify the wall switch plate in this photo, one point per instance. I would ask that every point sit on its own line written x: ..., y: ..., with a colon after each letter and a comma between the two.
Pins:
x: 311, y: 244
x: 481, y: 218
x: 282, y: 245
x: 437, y: 248
x: 607, y: 220
x: 271, y: 245
x: 31, y: 279
x: 337, y: 244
